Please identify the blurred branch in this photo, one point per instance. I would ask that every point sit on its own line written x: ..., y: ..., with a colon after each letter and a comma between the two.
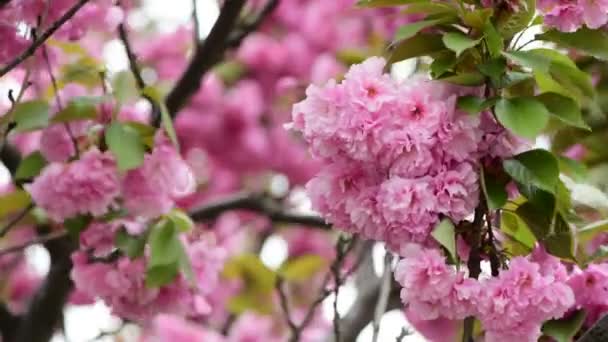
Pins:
x: 10, y: 158
x: 343, y: 247
x: 196, y: 35
x: 37, y: 240
x: 46, y: 308
x: 385, y: 289
x: 225, y: 34
x: 8, y: 323
x: 41, y: 39
x: 369, y: 289
x: 206, y: 55
x: 256, y: 203
x: 13, y: 222
x: 598, y: 332
x: 252, y: 25
x: 474, y: 262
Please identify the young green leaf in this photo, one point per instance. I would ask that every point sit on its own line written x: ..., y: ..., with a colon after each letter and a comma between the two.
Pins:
x: 560, y: 242
x: 410, y: 30
x: 592, y: 42
x: 30, y: 166
x: 166, y: 120
x: 126, y: 145
x: 31, y: 115
x: 302, y: 268
x: 79, y: 108
x: 537, y: 167
x: 465, y: 79
x: 514, y: 227
x: 124, y: 87
x: 422, y: 44
x: 458, y: 42
x: 494, y: 191
x: 132, y: 246
x: 445, y: 233
x: 538, y: 222
x: 493, y: 39
x: 13, y: 202
x: 524, y: 116
x: 565, y: 329
x: 564, y: 108
x: 165, y: 253
x: 182, y: 221
x: 76, y: 225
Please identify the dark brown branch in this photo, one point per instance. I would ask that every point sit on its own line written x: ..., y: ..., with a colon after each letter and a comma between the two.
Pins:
x: 206, y: 55
x: 38, y: 240
x: 10, y: 157
x: 259, y: 204
x: 42, y: 38
x: 46, y: 308
x: 8, y: 323
x: 598, y: 332
x: 246, y: 28
x: 7, y: 228
x: 474, y: 262
x: 196, y: 34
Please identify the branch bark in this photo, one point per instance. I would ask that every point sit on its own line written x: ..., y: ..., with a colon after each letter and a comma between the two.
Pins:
x: 43, y: 37
x: 46, y: 308
x: 598, y: 332
x: 258, y: 204
x: 207, y: 54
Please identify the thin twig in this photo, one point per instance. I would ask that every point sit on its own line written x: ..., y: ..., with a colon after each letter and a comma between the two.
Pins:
x: 49, y: 67
x: 196, y: 35
x: 285, y: 305
x: 385, y: 290
x: 404, y: 333
x: 35, y: 241
x: 43, y: 37
x: 256, y: 203
x: 13, y: 222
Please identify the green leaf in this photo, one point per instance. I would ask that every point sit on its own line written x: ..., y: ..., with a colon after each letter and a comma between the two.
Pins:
x: 132, y: 246
x: 471, y: 104
x: 495, y: 69
x: 422, y: 44
x: 126, y: 145
x: 565, y: 329
x: 77, y: 224
x: 385, y: 3
x: 538, y: 222
x: 30, y: 166
x: 86, y: 71
x: 564, y: 108
x: 477, y: 18
x: 530, y: 59
x: 410, y: 30
x: 445, y: 233
x: 493, y: 39
x: 560, y: 242
x: 165, y: 252
x: 524, y: 116
x: 443, y: 62
x: 517, y: 229
x: 31, y: 115
x: 79, y: 108
x: 248, y: 267
x: 124, y: 87
x: 577, y: 170
x: 167, y: 122
x: 146, y: 132
x: 429, y: 8
x: 494, y: 191
x: 182, y: 221
x: 458, y: 42
x: 537, y: 167
x: 588, y: 232
x: 465, y: 79
x: 511, y: 22
x: 13, y: 202
x: 588, y: 41
x: 302, y: 268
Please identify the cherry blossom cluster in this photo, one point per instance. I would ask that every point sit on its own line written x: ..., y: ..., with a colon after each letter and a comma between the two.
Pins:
x: 92, y: 185
x: 569, y: 16
x: 512, y: 306
x: 397, y: 155
x: 39, y: 14
x: 121, y: 283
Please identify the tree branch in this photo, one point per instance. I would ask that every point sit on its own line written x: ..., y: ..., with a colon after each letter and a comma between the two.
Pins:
x: 205, y: 57
x: 42, y: 38
x: 38, y: 240
x: 246, y: 28
x: 385, y: 289
x: 258, y: 204
x: 46, y: 308
x: 598, y: 332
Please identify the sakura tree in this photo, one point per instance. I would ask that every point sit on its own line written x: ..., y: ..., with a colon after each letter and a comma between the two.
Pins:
x: 154, y: 189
